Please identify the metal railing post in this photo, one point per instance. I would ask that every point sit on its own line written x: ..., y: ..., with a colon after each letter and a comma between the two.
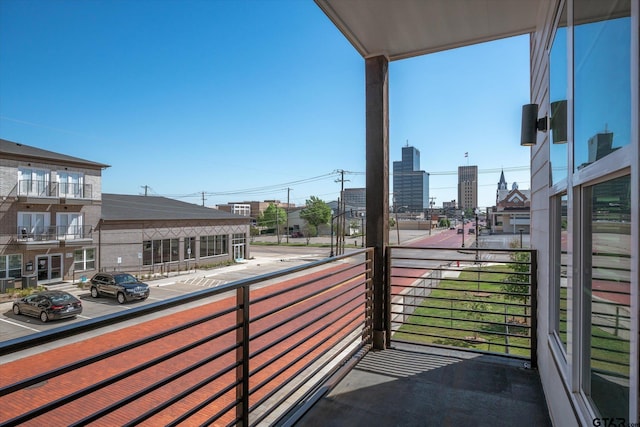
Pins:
x: 369, y: 257
x: 387, y: 296
x: 242, y: 355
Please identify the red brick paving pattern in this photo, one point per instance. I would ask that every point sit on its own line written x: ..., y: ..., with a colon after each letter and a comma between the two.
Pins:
x: 326, y: 331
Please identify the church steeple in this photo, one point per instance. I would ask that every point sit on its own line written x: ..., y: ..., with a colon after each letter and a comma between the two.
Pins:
x: 502, y: 184
x: 502, y: 188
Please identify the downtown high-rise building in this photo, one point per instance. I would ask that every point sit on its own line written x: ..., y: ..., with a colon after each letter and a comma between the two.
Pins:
x: 467, y: 187
x: 410, y: 184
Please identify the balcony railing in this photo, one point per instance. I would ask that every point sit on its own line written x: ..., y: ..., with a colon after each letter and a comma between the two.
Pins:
x: 44, y: 189
x: 252, y: 351
x: 244, y: 355
x: 53, y: 232
x: 37, y: 188
x: 475, y: 299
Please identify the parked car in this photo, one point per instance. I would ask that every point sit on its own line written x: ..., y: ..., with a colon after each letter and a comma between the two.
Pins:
x: 460, y: 231
x: 472, y: 231
x: 123, y: 287
x: 452, y: 228
x: 48, y: 305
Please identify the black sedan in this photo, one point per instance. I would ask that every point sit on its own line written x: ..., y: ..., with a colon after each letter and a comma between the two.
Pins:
x: 48, y: 305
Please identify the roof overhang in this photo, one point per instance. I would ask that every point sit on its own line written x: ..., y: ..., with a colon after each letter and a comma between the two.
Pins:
x: 401, y: 29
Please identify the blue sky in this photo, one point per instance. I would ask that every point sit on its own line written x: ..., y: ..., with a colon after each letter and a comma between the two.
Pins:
x: 244, y: 99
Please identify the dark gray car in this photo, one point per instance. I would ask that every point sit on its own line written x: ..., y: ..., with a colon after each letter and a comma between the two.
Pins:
x: 122, y: 286
x: 48, y: 305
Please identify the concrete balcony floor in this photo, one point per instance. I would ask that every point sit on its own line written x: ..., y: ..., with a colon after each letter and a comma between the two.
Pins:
x: 427, y: 386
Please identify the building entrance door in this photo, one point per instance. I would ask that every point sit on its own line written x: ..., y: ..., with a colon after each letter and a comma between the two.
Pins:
x: 49, y: 268
x: 238, y: 251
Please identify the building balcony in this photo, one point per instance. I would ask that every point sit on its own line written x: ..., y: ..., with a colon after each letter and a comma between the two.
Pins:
x: 45, y: 192
x: 297, y: 346
x: 61, y: 235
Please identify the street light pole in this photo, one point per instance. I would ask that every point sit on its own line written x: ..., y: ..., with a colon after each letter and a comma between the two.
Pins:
x: 477, y: 211
x: 521, y: 237
x: 397, y: 226
x: 331, y: 238
x: 463, y: 229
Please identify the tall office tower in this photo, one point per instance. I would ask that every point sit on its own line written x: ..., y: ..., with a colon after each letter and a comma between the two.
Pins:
x: 355, y: 197
x: 410, y: 184
x: 467, y: 187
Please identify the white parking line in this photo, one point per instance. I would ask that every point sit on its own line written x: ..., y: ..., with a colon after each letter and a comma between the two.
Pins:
x: 18, y: 324
x: 84, y: 317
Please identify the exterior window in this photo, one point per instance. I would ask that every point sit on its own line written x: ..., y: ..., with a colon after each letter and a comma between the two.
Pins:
x: 160, y: 251
x: 607, y: 293
x: 84, y: 259
x: 206, y: 242
x: 244, y: 210
x: 189, y: 248
x: 559, y: 154
x: 33, y: 182
x: 71, y: 184
x: 69, y: 225
x: 602, y: 62
x: 156, y: 246
x: 10, y: 266
x: 559, y: 264
x: 213, y: 245
x: 147, y: 252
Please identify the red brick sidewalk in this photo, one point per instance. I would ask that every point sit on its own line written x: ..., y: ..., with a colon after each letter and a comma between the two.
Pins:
x: 325, y: 331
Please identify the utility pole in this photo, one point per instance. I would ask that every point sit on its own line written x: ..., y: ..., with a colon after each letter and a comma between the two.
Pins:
x: 203, y: 199
x: 277, y: 225
x: 288, y: 193
x: 341, y: 208
x: 146, y: 188
x: 431, y: 203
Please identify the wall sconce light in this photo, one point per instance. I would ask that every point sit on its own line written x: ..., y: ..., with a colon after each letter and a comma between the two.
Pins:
x: 531, y: 124
x: 558, y: 122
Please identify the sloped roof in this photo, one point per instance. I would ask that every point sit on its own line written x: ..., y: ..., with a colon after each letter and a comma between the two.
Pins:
x: 16, y: 150
x: 125, y: 207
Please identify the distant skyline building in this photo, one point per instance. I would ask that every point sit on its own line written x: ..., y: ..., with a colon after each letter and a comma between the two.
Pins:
x: 355, y: 197
x: 467, y: 187
x: 410, y: 184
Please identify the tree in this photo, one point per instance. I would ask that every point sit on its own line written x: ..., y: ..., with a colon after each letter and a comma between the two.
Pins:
x: 316, y: 212
x: 272, y: 217
x: 445, y: 223
x: 517, y: 285
x: 253, y: 232
x: 309, y: 232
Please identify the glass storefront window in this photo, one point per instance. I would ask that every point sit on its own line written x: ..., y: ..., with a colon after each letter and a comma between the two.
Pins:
x: 602, y: 51
x: 608, y: 292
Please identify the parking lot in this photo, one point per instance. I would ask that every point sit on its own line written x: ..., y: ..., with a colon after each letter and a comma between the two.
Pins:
x: 14, y: 326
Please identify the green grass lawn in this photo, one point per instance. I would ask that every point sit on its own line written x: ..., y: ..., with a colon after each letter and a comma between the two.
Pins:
x: 470, y: 311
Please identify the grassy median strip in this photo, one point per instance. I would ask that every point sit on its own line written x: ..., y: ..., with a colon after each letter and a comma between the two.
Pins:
x: 470, y: 311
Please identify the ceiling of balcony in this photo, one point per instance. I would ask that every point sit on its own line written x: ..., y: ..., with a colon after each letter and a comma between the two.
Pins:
x: 405, y: 28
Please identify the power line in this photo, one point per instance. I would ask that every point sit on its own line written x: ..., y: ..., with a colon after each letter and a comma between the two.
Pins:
x: 270, y: 189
